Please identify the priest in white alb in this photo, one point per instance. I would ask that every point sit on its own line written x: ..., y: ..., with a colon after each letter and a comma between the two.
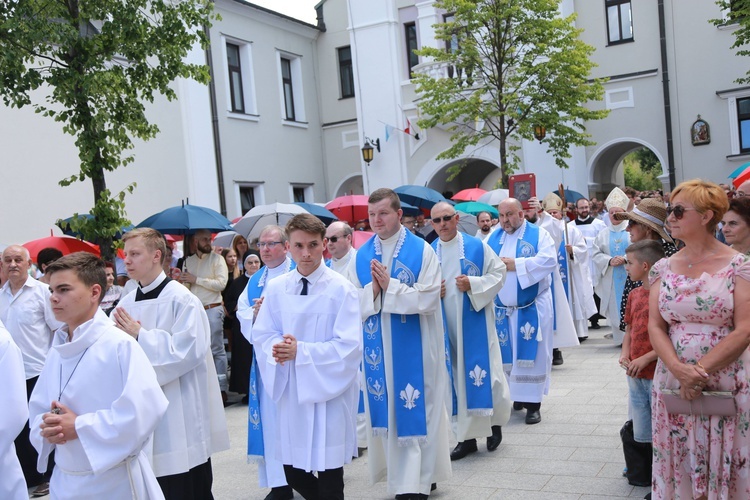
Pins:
x: 308, y: 350
x: 404, y: 352
x: 13, y: 417
x: 171, y: 326
x: 472, y: 276
x: 97, y: 400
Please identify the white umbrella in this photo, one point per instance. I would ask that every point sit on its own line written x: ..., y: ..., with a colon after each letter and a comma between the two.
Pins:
x: 224, y: 239
x: 253, y: 222
x: 494, y: 197
x: 467, y: 223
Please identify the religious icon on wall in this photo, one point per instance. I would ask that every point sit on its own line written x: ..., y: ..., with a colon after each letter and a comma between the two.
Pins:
x: 700, y: 132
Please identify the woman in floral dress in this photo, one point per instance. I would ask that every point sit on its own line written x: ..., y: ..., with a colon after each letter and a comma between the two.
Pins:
x: 701, y: 340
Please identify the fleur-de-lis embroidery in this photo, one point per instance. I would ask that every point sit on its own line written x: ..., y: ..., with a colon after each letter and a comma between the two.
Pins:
x: 373, y: 357
x: 254, y: 418
x: 477, y: 375
x: 377, y: 389
x: 528, y: 331
x: 410, y: 396
x: 502, y: 337
x: 371, y: 327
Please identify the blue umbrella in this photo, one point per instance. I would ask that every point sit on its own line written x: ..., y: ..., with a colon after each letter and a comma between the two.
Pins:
x: 64, y: 224
x: 474, y: 207
x: 570, y: 195
x: 322, y: 213
x: 739, y: 170
x: 419, y: 196
x: 410, y: 209
x: 187, y: 219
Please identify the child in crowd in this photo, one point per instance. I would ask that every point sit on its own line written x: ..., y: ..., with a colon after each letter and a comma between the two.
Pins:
x: 639, y: 359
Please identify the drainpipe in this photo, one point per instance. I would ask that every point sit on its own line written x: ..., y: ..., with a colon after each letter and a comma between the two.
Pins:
x: 665, y: 90
x: 215, y: 125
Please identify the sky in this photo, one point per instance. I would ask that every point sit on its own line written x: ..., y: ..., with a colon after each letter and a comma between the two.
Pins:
x: 298, y: 9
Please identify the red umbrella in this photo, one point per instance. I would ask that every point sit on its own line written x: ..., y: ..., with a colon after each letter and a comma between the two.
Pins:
x: 360, y: 237
x: 471, y: 194
x: 65, y: 244
x: 742, y: 177
x: 350, y: 208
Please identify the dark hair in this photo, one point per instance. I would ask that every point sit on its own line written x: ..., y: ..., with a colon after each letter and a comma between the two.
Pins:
x: 307, y: 223
x: 109, y: 265
x: 741, y: 206
x: 383, y: 194
x: 484, y: 212
x: 649, y: 251
x: 47, y: 255
x: 89, y: 268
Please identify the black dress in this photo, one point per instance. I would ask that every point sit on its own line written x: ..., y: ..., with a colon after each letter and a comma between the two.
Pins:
x: 242, y: 350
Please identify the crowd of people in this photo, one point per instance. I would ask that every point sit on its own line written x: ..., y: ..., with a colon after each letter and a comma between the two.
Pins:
x: 116, y: 380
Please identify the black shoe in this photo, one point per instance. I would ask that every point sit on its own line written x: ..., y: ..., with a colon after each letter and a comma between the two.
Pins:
x: 433, y: 486
x: 533, y: 417
x: 411, y: 496
x: 281, y: 493
x: 495, y: 439
x: 583, y: 339
x: 648, y: 496
x: 557, y: 358
x: 594, y: 326
x: 464, y: 448
x: 518, y: 406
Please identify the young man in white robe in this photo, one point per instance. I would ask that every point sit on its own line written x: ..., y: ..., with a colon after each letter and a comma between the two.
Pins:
x: 308, y: 349
x: 172, y: 328
x: 97, y: 401
x: 589, y: 226
x: 609, y: 262
x: 262, y: 420
x: 525, y: 316
x: 13, y: 417
x: 472, y: 276
x: 406, y: 377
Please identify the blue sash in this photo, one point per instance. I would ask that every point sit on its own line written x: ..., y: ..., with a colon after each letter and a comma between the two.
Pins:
x: 618, y: 242
x: 527, y: 336
x: 563, y: 265
x: 406, y: 335
x: 474, y: 331
x: 255, y: 448
x: 448, y: 364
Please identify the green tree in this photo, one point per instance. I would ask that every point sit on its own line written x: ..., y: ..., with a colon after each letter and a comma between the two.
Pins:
x: 648, y: 161
x: 512, y: 65
x: 100, y: 61
x: 636, y: 175
x: 738, y: 13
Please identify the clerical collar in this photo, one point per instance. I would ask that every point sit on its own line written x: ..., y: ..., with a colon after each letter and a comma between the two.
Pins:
x: 153, y: 290
x: 157, y: 281
x: 311, y: 278
x: 583, y: 222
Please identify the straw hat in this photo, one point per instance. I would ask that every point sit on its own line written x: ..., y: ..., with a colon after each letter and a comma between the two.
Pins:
x: 651, y: 213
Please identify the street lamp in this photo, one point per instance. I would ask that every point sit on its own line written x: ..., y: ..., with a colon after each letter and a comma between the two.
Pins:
x: 367, y: 149
x: 540, y: 133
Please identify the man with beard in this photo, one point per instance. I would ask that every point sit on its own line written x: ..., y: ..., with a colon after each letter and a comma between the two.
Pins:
x: 590, y: 226
x: 484, y: 220
x: 206, y: 274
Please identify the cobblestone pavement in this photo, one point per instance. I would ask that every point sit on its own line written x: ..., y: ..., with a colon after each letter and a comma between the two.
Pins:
x: 574, y: 453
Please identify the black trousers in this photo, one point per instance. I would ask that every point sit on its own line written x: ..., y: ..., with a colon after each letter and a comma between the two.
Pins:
x: 597, y: 315
x: 329, y: 485
x: 194, y: 484
x: 26, y: 453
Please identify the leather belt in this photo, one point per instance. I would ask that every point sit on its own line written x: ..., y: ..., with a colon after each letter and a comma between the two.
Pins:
x: 211, y: 306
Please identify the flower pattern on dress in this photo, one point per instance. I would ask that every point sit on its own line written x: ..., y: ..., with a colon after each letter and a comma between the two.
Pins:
x: 701, y: 455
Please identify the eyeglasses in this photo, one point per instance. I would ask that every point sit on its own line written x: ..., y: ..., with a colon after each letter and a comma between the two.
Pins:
x: 678, y: 211
x: 334, y: 239
x: 269, y: 244
x: 444, y: 218
x: 740, y: 194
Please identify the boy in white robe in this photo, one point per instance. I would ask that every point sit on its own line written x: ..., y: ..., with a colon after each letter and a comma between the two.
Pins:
x: 171, y: 326
x: 13, y: 417
x: 308, y: 350
x: 97, y: 401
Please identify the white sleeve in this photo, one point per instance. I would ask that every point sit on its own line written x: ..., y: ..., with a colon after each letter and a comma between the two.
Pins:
x: 484, y: 288
x: 532, y: 270
x: 423, y: 297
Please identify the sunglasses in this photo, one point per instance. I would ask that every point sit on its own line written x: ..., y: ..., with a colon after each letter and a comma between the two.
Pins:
x: 334, y: 239
x: 678, y: 211
x: 444, y: 218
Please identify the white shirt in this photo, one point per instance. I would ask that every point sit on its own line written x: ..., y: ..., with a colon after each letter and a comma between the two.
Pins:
x: 28, y: 317
x: 340, y: 265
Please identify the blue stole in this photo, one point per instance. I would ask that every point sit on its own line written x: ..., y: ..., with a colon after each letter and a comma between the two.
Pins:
x: 563, y: 265
x: 406, y: 335
x: 474, y: 331
x: 527, y: 335
x: 255, y: 448
x: 618, y: 242
x: 448, y: 364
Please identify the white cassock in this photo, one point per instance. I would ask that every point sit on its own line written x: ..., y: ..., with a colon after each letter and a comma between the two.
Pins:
x: 108, y: 382
x: 176, y: 338
x: 582, y: 306
x: 610, y: 242
x: 13, y: 417
x: 411, y: 468
x: 270, y: 469
x: 482, y: 296
x: 589, y: 232
x: 531, y: 384
x: 342, y: 264
x: 316, y: 395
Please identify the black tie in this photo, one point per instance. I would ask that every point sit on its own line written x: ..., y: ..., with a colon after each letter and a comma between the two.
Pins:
x: 304, y: 286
